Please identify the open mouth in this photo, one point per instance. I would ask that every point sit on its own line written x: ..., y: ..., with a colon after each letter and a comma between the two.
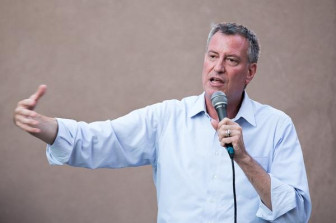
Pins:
x: 216, y: 80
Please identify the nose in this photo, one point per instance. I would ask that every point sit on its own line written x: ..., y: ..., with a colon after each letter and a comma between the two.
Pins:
x: 219, y: 67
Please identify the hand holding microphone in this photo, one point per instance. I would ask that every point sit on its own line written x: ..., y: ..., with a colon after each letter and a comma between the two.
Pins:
x: 229, y: 133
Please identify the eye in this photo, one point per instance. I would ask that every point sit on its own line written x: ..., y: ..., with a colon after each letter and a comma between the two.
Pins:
x: 232, y: 61
x: 212, y: 56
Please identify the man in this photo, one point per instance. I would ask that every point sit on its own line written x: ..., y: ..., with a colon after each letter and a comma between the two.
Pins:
x: 192, y: 171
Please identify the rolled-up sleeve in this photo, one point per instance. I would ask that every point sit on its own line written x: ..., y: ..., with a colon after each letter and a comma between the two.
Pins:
x: 60, y: 151
x: 289, y: 187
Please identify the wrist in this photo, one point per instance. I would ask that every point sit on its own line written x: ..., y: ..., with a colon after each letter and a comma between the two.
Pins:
x: 244, y: 159
x: 48, y: 129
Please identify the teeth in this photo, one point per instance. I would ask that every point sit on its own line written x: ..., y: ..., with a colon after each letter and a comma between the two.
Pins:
x: 216, y: 80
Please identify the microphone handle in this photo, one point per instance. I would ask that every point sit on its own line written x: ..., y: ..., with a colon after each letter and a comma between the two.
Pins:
x: 230, y: 150
x: 221, y: 111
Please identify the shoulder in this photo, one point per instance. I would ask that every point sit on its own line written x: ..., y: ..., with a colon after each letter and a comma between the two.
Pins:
x: 176, y: 104
x: 183, y: 101
x: 269, y: 113
x: 273, y: 121
x: 175, y: 108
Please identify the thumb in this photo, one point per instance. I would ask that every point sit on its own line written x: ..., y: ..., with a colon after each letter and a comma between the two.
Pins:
x: 214, y: 124
x: 39, y: 93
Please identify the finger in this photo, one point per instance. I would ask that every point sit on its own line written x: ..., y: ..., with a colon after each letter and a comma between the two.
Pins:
x: 225, y: 141
x: 224, y: 129
x: 226, y: 124
x: 39, y: 93
x: 25, y: 112
x: 27, y: 121
x: 28, y: 128
x: 27, y: 103
x: 228, y: 140
x: 225, y: 121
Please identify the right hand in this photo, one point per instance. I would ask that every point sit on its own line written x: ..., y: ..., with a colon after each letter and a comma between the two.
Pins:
x: 24, y: 115
x: 32, y: 122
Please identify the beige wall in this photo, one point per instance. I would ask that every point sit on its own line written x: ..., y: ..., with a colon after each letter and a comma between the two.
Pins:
x: 103, y: 58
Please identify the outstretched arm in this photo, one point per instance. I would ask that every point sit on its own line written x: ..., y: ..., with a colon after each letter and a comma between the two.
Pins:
x: 40, y: 126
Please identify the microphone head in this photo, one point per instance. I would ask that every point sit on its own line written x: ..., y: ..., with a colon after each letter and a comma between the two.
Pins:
x: 218, y: 98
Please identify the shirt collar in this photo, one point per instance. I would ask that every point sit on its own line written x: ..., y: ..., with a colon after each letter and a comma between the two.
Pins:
x: 246, y: 110
x: 198, y: 106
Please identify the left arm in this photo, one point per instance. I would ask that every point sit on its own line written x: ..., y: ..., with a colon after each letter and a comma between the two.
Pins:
x: 258, y: 177
x: 284, y: 190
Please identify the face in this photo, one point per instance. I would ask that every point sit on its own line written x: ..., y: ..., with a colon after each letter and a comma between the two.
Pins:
x: 226, y: 67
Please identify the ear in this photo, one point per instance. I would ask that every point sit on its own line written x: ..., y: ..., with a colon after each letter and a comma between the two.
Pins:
x: 252, y: 69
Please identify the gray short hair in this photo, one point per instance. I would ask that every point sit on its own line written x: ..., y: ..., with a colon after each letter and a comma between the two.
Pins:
x: 235, y: 29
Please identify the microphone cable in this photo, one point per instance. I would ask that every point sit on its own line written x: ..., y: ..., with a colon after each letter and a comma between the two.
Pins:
x: 230, y: 150
x: 234, y: 189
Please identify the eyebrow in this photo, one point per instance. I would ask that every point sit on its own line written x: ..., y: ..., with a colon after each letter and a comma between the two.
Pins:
x: 213, y: 52
x: 233, y: 55
x: 228, y: 55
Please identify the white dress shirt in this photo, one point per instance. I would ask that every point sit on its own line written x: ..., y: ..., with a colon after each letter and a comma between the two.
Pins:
x: 192, y: 172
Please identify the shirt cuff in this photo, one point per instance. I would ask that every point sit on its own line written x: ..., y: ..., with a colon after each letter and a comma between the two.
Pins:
x: 60, y: 151
x: 283, y: 200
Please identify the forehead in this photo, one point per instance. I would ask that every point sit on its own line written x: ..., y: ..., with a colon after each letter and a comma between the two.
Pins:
x: 234, y: 44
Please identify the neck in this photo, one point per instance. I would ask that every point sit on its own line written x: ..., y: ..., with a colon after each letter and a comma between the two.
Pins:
x: 232, y: 107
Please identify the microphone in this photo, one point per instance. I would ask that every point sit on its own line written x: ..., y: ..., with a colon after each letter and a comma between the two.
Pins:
x: 219, y: 102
